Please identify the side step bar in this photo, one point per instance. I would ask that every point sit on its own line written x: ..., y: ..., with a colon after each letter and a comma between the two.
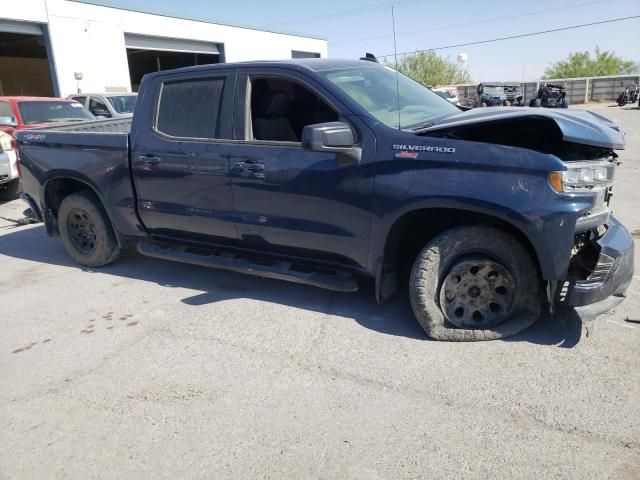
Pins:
x: 338, y: 281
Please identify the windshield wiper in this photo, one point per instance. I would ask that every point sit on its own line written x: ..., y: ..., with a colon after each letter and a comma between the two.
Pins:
x: 422, y: 126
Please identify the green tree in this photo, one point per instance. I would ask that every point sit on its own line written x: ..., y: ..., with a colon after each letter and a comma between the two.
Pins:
x: 431, y: 69
x: 582, y: 64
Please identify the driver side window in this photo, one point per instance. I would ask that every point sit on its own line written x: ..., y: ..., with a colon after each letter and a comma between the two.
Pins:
x: 98, y: 108
x: 279, y: 109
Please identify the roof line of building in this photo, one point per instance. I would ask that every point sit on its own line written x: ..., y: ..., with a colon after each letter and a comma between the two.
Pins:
x: 98, y: 3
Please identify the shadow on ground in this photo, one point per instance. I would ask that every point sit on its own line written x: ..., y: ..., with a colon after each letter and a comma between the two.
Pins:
x: 393, y: 318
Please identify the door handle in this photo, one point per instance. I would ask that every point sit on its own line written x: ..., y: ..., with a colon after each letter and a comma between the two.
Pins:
x: 148, y: 159
x: 252, y: 166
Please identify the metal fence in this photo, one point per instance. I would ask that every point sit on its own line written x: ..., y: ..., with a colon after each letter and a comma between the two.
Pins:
x: 579, y: 90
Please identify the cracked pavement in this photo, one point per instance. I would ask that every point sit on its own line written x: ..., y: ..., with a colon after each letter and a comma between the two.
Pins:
x: 151, y: 369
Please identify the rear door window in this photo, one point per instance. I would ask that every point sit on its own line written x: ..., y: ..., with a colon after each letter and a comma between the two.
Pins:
x: 190, y: 108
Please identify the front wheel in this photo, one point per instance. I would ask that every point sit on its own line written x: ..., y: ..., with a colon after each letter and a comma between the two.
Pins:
x: 475, y: 283
x: 86, y: 231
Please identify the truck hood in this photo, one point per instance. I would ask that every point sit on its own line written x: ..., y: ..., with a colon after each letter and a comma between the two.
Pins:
x: 577, y: 126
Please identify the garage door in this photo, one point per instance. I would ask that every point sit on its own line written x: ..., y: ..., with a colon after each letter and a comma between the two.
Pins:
x: 143, y: 42
x: 25, y: 68
x: 147, y: 54
x: 20, y: 27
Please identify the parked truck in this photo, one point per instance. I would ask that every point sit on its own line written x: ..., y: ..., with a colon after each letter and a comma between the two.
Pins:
x: 325, y: 172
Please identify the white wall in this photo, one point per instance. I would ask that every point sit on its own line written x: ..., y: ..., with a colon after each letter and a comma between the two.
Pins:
x: 90, y: 39
x: 26, y: 10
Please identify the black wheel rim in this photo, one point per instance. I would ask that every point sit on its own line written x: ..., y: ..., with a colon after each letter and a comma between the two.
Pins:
x: 477, y: 294
x: 82, y: 231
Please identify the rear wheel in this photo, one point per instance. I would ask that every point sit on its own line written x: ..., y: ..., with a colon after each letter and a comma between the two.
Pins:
x: 475, y: 283
x: 86, y: 231
x: 11, y: 190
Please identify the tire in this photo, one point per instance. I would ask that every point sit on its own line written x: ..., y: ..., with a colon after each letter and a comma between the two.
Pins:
x: 11, y: 190
x: 445, y: 255
x: 86, y: 231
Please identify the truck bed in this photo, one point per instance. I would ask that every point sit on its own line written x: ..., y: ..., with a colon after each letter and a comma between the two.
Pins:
x: 98, y: 134
x: 93, y: 153
x: 120, y: 125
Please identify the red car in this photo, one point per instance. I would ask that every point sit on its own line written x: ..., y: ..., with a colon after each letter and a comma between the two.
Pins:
x: 18, y: 113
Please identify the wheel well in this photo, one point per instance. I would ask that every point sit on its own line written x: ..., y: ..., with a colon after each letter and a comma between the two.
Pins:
x: 59, y: 188
x: 413, y: 230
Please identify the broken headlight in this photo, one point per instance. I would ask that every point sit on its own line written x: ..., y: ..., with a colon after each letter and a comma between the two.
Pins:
x: 583, y: 177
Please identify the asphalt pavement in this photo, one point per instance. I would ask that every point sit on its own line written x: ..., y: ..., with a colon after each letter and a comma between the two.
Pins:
x: 150, y: 369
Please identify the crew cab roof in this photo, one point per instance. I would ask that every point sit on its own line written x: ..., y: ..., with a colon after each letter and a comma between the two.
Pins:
x: 311, y: 64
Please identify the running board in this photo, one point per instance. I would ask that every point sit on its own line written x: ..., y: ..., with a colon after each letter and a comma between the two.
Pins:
x: 280, y: 270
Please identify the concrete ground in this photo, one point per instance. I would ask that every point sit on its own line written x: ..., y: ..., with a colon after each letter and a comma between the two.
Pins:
x: 149, y: 369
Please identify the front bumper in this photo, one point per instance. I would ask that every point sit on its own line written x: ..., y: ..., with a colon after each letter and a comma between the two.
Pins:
x: 605, y: 286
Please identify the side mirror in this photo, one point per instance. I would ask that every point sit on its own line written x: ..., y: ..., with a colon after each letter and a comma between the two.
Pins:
x: 8, y: 122
x: 335, y: 137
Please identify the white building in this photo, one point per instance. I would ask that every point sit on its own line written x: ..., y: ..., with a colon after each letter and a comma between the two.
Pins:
x: 46, y: 44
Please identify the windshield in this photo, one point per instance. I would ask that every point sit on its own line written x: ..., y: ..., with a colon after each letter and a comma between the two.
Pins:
x: 375, y: 90
x: 52, y: 112
x: 123, y: 103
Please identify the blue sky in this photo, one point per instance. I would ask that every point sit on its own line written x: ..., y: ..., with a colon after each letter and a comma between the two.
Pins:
x: 355, y: 26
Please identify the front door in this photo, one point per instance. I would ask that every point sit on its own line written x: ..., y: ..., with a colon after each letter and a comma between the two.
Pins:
x: 181, y: 162
x: 287, y: 199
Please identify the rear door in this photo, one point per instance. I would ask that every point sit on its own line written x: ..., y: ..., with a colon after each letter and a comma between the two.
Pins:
x: 180, y: 157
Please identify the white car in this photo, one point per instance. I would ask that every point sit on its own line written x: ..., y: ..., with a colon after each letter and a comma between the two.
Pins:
x: 9, y: 173
x: 446, y: 94
x: 108, y: 105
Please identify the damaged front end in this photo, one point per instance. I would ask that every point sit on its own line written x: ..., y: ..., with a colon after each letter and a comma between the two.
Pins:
x: 600, y: 271
x: 601, y: 263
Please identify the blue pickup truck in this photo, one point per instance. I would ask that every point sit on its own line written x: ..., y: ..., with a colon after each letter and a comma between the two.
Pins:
x: 327, y: 172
